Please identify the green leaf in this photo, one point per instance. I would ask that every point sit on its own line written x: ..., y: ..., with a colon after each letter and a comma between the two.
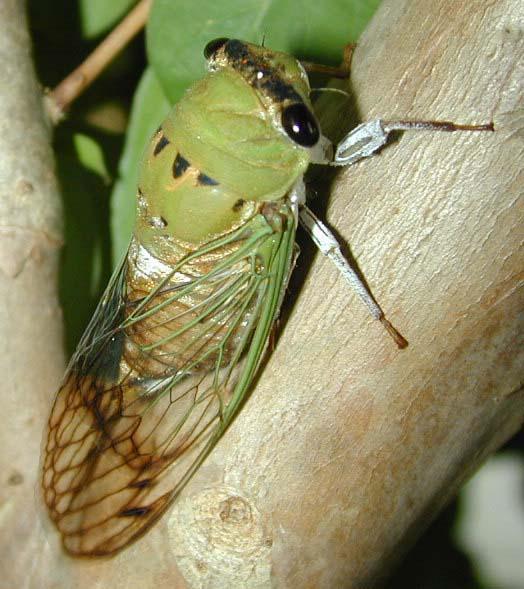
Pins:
x: 97, y: 16
x: 150, y: 107
x: 85, y: 266
x: 90, y: 155
x: 178, y: 30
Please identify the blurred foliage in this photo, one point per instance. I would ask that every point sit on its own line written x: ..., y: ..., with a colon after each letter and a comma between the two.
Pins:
x: 98, y: 16
x: 150, y: 106
x: 86, y: 263
x: 315, y: 31
x: 88, y: 145
x: 100, y: 144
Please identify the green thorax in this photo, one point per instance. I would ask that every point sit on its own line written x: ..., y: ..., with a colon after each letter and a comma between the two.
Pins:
x: 222, y: 126
x: 219, y: 153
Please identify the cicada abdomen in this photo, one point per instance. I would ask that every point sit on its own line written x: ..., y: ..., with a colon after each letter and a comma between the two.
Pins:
x: 179, y: 334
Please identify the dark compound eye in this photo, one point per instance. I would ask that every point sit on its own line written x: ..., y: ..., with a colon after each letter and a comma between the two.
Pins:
x: 213, y: 46
x: 300, y: 125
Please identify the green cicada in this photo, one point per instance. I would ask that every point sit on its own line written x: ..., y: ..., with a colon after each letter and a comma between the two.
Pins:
x: 180, y: 332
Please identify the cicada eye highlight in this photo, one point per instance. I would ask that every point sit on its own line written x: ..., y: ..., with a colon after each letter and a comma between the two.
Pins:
x: 213, y: 46
x: 300, y: 125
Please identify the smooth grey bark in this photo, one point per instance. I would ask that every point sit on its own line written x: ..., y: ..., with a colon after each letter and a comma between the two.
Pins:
x: 31, y: 354
x: 347, y: 447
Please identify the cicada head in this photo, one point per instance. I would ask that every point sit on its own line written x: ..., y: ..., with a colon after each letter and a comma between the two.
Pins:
x: 241, y: 135
x: 279, y: 80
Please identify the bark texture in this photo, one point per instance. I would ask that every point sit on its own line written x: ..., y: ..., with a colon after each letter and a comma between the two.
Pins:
x: 31, y: 355
x: 347, y: 447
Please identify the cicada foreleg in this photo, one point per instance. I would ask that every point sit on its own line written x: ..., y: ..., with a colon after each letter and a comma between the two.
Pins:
x: 364, y: 141
x: 328, y: 245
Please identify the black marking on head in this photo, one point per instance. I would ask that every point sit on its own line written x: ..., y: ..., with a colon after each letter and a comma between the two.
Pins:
x: 258, y: 72
x: 236, y: 51
x: 134, y: 511
x: 180, y: 165
x: 238, y: 205
x: 161, y: 143
x: 279, y: 89
x: 205, y: 180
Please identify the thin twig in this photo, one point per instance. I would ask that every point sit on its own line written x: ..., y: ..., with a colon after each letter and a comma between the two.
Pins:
x: 77, y: 81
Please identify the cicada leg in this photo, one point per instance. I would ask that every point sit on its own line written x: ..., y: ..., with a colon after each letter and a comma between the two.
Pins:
x: 328, y: 245
x: 366, y: 139
x: 362, y: 142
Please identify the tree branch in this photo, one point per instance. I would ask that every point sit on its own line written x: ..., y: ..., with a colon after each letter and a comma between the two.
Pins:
x: 31, y: 355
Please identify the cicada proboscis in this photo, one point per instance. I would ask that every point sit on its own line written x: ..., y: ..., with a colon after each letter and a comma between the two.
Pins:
x: 179, y: 334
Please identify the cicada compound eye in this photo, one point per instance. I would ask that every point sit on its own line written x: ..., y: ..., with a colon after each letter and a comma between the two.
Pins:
x: 213, y: 46
x: 300, y: 125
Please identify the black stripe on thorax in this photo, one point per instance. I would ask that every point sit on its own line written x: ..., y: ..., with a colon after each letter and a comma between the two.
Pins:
x: 180, y: 165
x: 205, y: 180
x: 160, y: 144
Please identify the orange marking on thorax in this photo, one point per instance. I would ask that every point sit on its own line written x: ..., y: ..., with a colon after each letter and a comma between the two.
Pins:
x: 191, y: 174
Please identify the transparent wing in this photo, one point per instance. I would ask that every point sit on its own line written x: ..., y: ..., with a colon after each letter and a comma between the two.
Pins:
x: 156, y: 379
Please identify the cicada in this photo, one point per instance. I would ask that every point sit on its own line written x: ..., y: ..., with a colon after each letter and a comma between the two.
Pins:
x: 180, y: 332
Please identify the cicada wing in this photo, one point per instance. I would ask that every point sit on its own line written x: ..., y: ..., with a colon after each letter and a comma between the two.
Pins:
x: 153, y: 386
